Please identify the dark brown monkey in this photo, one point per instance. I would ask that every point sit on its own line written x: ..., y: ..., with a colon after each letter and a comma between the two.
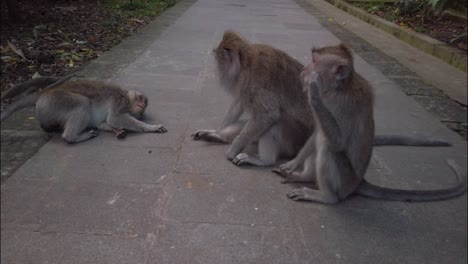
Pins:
x: 337, y: 155
x: 265, y: 83
x: 77, y: 106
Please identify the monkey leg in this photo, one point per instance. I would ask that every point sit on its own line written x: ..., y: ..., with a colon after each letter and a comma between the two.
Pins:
x: 77, y: 122
x: 306, y: 151
x: 269, y: 149
x: 328, y: 180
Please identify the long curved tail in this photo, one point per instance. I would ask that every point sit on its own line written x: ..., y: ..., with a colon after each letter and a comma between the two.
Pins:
x: 34, y: 85
x: 373, y: 191
x: 28, y: 100
x: 395, y: 140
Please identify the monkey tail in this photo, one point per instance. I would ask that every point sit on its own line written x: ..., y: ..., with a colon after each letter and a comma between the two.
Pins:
x: 373, y: 191
x: 34, y: 85
x: 395, y: 140
x: 28, y: 100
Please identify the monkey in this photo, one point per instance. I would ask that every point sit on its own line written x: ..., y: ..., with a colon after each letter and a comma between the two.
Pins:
x: 338, y: 153
x: 78, y: 107
x: 265, y: 83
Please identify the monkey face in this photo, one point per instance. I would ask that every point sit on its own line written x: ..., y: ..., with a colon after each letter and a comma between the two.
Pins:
x: 326, y: 70
x: 138, y: 102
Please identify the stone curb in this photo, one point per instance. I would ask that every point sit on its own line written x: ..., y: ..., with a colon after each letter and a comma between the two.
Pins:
x: 438, y: 49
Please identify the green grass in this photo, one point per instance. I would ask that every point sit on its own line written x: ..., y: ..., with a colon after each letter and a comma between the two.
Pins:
x: 140, y: 8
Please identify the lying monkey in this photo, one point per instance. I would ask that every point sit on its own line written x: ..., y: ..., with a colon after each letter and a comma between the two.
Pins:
x: 75, y: 106
x: 338, y: 153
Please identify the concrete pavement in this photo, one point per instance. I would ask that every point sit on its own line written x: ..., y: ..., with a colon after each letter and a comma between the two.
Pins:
x: 162, y: 198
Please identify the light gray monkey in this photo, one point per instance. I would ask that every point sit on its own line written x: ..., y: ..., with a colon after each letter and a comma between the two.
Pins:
x: 77, y: 107
x: 337, y: 155
x: 265, y: 83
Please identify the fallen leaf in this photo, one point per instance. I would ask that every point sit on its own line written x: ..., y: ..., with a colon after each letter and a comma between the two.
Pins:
x: 66, y: 45
x: 35, y: 75
x: 31, y: 118
x: 71, y: 64
x: 136, y: 20
x: 16, y: 50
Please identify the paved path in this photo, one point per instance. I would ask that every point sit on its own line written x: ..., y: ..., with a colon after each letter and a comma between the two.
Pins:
x: 166, y: 199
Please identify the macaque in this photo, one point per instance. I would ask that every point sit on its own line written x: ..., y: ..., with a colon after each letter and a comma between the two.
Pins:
x: 338, y: 153
x: 79, y: 107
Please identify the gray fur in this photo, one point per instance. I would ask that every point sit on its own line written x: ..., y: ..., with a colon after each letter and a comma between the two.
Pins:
x: 78, y: 106
x: 337, y: 155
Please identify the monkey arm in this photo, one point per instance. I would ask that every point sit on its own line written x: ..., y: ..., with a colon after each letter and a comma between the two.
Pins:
x: 233, y: 114
x: 327, y: 121
x: 251, y: 132
x: 128, y: 122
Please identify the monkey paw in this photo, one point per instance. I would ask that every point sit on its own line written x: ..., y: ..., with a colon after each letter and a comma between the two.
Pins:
x: 299, y: 194
x: 202, y: 134
x: 289, y: 166
x: 93, y: 133
x: 160, y: 129
x: 241, y: 159
x: 121, y: 133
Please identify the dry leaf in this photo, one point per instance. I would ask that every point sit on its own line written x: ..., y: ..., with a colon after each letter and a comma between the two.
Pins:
x: 36, y: 75
x: 136, y: 20
x: 16, y: 50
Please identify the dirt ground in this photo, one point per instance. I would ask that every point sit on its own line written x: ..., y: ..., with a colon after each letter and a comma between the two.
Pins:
x: 450, y: 31
x: 57, y: 37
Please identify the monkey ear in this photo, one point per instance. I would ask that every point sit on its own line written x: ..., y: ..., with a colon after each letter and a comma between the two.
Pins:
x: 342, y: 72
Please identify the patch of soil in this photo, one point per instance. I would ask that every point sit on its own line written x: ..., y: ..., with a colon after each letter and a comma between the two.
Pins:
x: 57, y: 37
x: 450, y: 31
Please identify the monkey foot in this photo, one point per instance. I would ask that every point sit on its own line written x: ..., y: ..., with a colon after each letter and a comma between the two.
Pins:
x: 121, y: 133
x: 241, y: 159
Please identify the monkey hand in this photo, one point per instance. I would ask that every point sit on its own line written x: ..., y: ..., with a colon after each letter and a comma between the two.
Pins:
x: 315, y: 87
x: 120, y: 133
x: 303, y: 194
x: 289, y: 166
x: 158, y: 129
x: 208, y: 135
x: 201, y: 134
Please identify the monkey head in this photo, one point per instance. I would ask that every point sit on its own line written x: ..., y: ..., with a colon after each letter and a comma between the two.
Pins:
x: 230, y: 56
x: 138, y: 103
x: 326, y: 71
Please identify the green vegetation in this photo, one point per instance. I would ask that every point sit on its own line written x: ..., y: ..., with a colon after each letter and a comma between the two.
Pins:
x: 140, y: 8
